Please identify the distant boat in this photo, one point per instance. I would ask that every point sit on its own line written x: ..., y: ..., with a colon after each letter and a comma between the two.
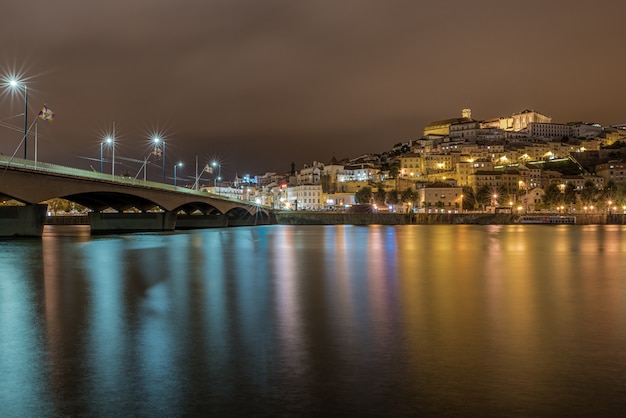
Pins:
x: 547, y: 220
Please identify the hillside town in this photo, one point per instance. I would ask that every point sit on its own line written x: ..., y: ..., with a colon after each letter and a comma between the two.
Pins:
x: 520, y: 163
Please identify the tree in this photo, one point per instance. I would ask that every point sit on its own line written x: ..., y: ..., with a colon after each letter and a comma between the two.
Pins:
x: 409, y: 196
x: 380, y: 196
x: 552, y: 196
x: 483, y: 197
x: 588, y: 193
x: 569, y: 197
x: 394, y: 169
x: 502, y: 196
x: 469, y: 198
x: 363, y: 196
x: 392, y: 197
x: 609, y: 193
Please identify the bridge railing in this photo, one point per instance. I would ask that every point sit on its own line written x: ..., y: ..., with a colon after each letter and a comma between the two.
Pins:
x: 38, y: 166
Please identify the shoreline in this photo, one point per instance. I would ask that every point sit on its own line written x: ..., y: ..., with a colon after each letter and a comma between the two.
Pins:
x: 343, y: 218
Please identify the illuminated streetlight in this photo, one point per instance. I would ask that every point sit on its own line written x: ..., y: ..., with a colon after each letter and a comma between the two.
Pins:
x: 176, y: 165
x: 111, y: 141
x: 14, y: 84
x: 157, y: 140
x: 219, y: 175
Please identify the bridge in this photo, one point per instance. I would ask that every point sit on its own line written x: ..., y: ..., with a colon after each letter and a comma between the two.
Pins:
x: 116, y: 204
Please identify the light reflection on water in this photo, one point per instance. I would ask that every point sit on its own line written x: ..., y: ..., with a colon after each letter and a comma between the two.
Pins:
x: 304, y: 321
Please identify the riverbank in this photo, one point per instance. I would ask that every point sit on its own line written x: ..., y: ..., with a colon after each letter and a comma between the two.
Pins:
x: 343, y: 218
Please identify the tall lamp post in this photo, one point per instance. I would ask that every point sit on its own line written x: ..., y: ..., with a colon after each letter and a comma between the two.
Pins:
x: 157, y: 141
x: 101, y: 143
x: 176, y: 165
x: 111, y: 141
x: 15, y: 84
x: 219, y: 174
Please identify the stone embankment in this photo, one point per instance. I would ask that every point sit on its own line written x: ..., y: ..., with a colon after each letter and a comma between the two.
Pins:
x: 343, y: 218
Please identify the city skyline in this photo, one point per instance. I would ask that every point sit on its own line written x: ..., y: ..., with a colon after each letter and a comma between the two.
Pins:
x: 259, y: 85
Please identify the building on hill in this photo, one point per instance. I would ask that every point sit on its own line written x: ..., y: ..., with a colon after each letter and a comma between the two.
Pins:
x: 549, y: 130
x: 358, y: 172
x: 329, y: 176
x: 439, y: 198
x: 530, y: 200
x: 410, y: 165
x: 586, y: 130
x: 488, y: 178
x: 521, y: 120
x: 612, y: 171
x: 442, y: 127
x: 310, y: 174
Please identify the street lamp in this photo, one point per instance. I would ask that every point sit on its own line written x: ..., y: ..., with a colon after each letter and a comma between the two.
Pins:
x: 111, y: 142
x: 101, y: 143
x: 176, y: 165
x: 219, y: 175
x: 15, y: 84
x: 157, y: 140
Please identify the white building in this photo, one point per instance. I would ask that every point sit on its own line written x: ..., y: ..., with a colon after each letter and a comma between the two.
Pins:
x: 310, y: 174
x: 363, y: 172
x: 549, y: 130
x: 304, y: 197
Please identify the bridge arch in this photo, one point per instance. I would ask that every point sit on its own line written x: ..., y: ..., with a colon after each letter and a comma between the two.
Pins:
x: 120, y: 202
x: 204, y: 208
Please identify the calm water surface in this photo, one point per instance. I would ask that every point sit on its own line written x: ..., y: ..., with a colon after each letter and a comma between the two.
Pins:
x: 316, y: 321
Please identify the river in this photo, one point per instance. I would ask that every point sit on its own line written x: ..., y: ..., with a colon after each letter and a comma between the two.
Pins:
x: 271, y: 321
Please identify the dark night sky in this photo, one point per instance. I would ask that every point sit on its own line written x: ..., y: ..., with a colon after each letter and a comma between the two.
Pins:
x: 261, y: 83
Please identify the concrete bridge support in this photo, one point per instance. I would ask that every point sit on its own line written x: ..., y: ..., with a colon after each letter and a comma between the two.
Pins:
x: 112, y: 223
x: 246, y: 219
x: 22, y: 221
x: 201, y: 221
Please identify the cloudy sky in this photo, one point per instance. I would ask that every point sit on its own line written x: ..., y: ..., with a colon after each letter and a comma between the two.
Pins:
x: 261, y: 83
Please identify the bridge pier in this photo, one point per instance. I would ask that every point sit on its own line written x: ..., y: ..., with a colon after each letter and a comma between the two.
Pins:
x: 247, y: 220
x: 22, y: 221
x: 113, y: 223
x: 201, y: 221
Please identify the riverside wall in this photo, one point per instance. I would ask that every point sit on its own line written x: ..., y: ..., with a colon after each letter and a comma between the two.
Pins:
x: 343, y: 218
